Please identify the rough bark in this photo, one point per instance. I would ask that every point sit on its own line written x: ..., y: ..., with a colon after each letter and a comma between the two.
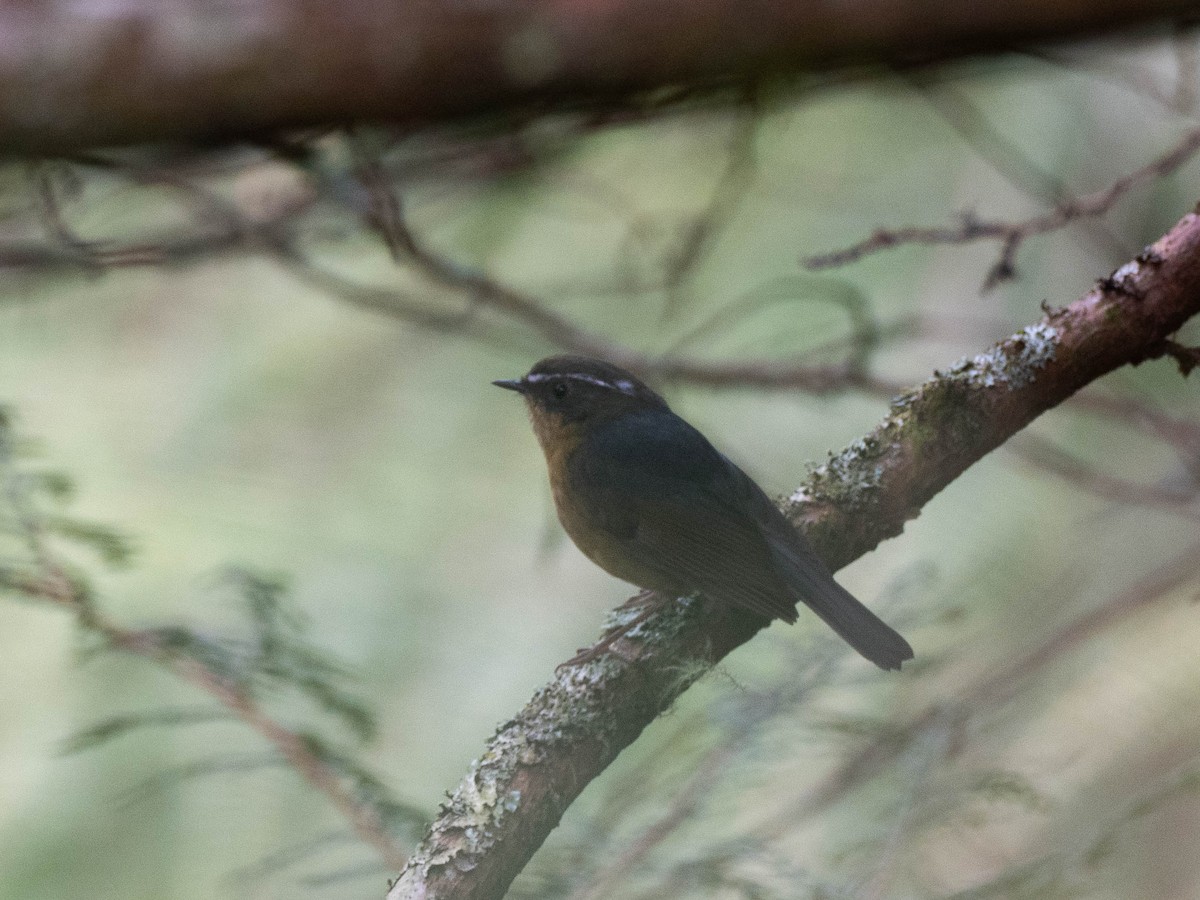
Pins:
x: 537, y: 763
x: 88, y: 74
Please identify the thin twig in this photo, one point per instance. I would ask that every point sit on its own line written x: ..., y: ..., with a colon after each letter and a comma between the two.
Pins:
x: 1004, y: 156
x: 485, y: 293
x: 1048, y: 457
x: 812, y: 675
x: 986, y: 693
x: 1012, y: 235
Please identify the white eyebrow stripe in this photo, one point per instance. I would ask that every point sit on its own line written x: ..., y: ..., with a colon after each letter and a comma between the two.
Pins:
x: 625, y: 387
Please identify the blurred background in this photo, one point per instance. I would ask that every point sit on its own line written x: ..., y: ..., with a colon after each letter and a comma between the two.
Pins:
x: 311, y: 401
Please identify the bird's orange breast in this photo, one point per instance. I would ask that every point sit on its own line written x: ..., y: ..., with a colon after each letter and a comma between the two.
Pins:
x: 607, y: 550
x: 559, y: 441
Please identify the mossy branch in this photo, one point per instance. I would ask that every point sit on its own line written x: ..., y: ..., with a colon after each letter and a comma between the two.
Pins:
x: 538, y: 762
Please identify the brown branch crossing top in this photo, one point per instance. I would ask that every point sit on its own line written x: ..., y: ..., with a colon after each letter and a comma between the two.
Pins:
x: 537, y: 763
x: 90, y: 74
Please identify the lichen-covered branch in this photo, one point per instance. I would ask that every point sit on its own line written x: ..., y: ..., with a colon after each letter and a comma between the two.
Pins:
x: 88, y: 74
x: 538, y: 762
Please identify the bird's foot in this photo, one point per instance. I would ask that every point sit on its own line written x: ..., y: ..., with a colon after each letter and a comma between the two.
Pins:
x: 648, y: 601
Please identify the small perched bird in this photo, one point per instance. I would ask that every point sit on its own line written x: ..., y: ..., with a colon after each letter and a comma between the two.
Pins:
x: 647, y: 498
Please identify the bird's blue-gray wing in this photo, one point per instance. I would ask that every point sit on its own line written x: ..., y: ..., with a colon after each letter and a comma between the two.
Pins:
x: 673, y: 502
x: 687, y: 519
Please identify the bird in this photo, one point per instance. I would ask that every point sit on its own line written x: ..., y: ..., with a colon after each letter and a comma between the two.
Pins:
x: 647, y: 498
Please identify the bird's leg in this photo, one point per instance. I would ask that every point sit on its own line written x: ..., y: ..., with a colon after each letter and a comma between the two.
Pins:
x: 640, y: 599
x: 647, y: 601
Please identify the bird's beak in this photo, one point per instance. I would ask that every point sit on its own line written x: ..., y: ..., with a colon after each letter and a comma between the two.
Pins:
x: 517, y: 385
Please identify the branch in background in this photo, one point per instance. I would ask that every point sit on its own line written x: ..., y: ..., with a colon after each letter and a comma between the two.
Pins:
x: 477, y: 302
x: 144, y: 71
x: 538, y: 762
x: 1181, y: 434
x: 482, y: 293
x: 1006, y: 158
x: 222, y: 227
x: 813, y: 671
x: 465, y: 301
x: 242, y: 226
x: 1049, y: 457
x: 1180, y: 98
x: 1012, y: 235
x: 994, y: 688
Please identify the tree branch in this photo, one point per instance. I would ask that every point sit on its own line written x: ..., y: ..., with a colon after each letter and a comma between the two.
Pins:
x: 538, y: 762
x: 1052, y: 459
x: 145, y: 70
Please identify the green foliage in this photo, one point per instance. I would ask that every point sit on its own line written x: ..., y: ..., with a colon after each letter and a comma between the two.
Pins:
x: 118, y: 726
x: 277, y: 655
x: 111, y: 545
x: 54, y: 484
x: 26, y: 525
x: 269, y: 661
x: 218, y: 764
x: 1009, y: 787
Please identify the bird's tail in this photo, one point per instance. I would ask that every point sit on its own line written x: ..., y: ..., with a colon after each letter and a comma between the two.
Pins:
x: 858, y: 626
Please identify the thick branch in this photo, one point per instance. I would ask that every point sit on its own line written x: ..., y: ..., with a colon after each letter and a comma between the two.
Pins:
x: 89, y: 74
x: 537, y: 763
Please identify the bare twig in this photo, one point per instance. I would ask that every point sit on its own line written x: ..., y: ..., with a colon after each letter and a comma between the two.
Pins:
x: 229, y: 231
x: 1012, y: 235
x: 478, y: 301
x: 1005, y: 157
x: 987, y: 692
x: 484, y: 293
x: 1181, y: 433
x: 1049, y: 457
x: 800, y: 684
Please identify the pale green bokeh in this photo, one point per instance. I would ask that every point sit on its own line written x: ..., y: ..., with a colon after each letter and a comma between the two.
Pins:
x: 228, y: 413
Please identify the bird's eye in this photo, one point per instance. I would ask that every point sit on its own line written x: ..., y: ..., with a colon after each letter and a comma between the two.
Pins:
x: 560, y: 390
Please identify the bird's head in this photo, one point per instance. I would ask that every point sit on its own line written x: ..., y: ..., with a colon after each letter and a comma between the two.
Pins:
x: 566, y: 395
